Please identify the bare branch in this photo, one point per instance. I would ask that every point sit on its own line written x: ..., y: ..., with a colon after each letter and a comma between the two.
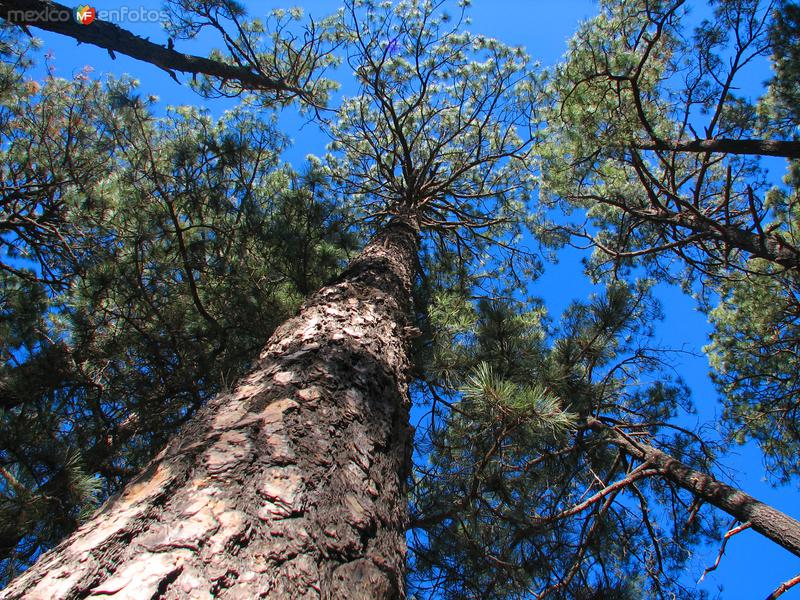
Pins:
x: 784, y: 587
x: 116, y: 39
x: 780, y: 148
x: 731, y: 532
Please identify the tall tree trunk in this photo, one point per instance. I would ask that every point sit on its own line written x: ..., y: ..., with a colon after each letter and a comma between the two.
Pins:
x: 293, y: 485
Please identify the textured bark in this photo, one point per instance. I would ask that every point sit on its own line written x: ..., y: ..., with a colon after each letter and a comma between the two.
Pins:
x: 769, y: 522
x: 293, y: 485
x: 58, y: 19
x: 727, y: 146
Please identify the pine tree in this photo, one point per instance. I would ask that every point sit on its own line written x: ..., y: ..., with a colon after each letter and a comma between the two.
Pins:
x: 293, y: 482
x: 302, y: 467
x: 651, y: 140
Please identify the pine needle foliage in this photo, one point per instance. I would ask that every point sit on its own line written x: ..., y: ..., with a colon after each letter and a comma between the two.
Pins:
x: 517, y: 496
x: 494, y: 399
x: 654, y: 141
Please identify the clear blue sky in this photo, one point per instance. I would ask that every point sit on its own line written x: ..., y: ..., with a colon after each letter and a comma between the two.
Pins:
x: 753, y: 566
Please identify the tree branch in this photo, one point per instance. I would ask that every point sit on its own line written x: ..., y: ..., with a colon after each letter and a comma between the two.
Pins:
x: 58, y: 18
x: 731, y: 532
x: 784, y: 587
x: 766, y: 520
x: 779, y: 148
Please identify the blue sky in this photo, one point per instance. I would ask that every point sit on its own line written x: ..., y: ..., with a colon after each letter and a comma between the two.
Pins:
x: 753, y: 566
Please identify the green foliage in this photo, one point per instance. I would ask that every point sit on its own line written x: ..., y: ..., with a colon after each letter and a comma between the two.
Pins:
x: 490, y: 398
x: 757, y: 320
x: 510, y: 456
x: 635, y: 80
x: 781, y: 106
x: 754, y: 352
x: 636, y: 75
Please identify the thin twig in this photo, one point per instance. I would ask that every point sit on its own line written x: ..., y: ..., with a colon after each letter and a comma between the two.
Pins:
x: 732, y: 532
x: 786, y: 585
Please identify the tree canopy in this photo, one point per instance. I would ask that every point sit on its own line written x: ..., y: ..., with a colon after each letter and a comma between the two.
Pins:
x: 651, y: 140
x: 145, y: 256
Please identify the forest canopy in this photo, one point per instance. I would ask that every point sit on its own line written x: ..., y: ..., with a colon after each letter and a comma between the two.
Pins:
x: 188, y: 309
